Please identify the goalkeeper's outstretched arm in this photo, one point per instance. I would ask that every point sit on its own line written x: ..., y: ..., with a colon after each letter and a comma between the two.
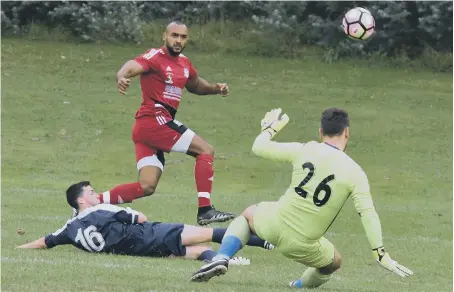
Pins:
x: 369, y: 218
x: 372, y: 226
x: 264, y: 147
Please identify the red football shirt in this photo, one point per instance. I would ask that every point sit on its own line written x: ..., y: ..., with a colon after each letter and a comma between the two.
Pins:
x: 164, y: 78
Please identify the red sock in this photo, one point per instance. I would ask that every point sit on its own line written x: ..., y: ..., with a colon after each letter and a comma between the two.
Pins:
x: 203, y: 173
x: 124, y: 193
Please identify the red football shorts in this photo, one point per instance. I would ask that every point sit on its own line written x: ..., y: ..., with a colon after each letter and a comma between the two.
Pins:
x: 154, y: 135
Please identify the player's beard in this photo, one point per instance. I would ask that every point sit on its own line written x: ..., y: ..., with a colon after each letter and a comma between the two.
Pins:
x: 172, y: 52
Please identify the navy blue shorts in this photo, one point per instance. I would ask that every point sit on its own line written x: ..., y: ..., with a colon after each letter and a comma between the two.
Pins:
x: 162, y: 240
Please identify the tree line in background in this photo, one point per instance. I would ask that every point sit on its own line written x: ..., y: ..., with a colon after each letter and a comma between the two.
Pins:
x: 409, y: 29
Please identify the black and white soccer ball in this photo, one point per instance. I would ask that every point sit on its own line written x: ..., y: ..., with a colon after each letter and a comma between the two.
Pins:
x: 358, y: 23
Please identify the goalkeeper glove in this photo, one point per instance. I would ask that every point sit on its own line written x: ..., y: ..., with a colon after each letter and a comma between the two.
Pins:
x: 389, y: 264
x: 272, y: 123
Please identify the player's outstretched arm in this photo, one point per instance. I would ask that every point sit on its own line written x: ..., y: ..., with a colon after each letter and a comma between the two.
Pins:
x: 200, y: 86
x: 130, y: 69
x: 39, y: 243
x: 372, y: 226
x: 263, y: 146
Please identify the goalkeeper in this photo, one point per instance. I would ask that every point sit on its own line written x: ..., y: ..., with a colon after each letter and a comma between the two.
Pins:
x: 323, y: 178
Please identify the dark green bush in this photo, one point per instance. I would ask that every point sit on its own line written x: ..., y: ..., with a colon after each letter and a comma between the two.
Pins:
x: 414, y: 30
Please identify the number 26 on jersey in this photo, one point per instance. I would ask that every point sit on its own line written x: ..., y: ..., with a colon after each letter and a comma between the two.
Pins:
x: 322, y: 186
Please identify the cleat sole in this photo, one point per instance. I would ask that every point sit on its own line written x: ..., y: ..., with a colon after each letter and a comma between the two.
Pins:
x: 216, y: 220
x: 207, y: 275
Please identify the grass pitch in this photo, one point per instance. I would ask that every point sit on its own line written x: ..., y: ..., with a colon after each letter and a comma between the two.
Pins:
x: 63, y: 121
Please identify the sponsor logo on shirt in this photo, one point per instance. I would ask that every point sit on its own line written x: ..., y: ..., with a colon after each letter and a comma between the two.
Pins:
x: 172, y: 92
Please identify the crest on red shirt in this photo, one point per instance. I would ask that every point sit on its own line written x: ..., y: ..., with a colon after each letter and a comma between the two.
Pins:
x: 169, y: 75
x: 169, y: 78
x: 186, y: 73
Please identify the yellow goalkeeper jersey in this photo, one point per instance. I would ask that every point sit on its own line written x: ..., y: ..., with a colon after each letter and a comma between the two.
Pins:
x: 323, y: 178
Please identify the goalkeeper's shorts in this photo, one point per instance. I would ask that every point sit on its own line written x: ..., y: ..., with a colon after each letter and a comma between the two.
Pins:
x: 312, y: 253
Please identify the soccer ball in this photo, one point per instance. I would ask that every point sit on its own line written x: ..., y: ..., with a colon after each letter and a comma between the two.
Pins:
x: 358, y: 23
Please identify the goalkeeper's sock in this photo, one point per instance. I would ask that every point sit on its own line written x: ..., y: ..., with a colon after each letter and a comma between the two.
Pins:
x: 203, y: 174
x: 311, y: 278
x: 124, y: 193
x: 254, y: 240
x: 236, y: 236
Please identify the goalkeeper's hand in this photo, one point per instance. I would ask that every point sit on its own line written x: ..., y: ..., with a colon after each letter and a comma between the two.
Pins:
x: 389, y: 264
x: 272, y: 123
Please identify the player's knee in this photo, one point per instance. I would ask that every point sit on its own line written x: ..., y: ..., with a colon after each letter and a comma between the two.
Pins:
x: 334, y: 266
x: 148, y: 187
x: 208, y: 149
x: 249, y: 212
x: 249, y: 215
x: 199, y: 146
x: 337, y: 262
x: 148, y: 178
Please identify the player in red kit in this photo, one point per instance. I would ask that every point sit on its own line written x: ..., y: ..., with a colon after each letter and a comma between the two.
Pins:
x: 164, y: 73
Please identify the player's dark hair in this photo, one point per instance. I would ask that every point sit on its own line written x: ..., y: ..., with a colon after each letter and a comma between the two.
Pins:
x: 334, y: 121
x: 74, y: 192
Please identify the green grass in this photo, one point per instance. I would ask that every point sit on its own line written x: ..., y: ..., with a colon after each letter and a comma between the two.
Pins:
x: 63, y: 121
